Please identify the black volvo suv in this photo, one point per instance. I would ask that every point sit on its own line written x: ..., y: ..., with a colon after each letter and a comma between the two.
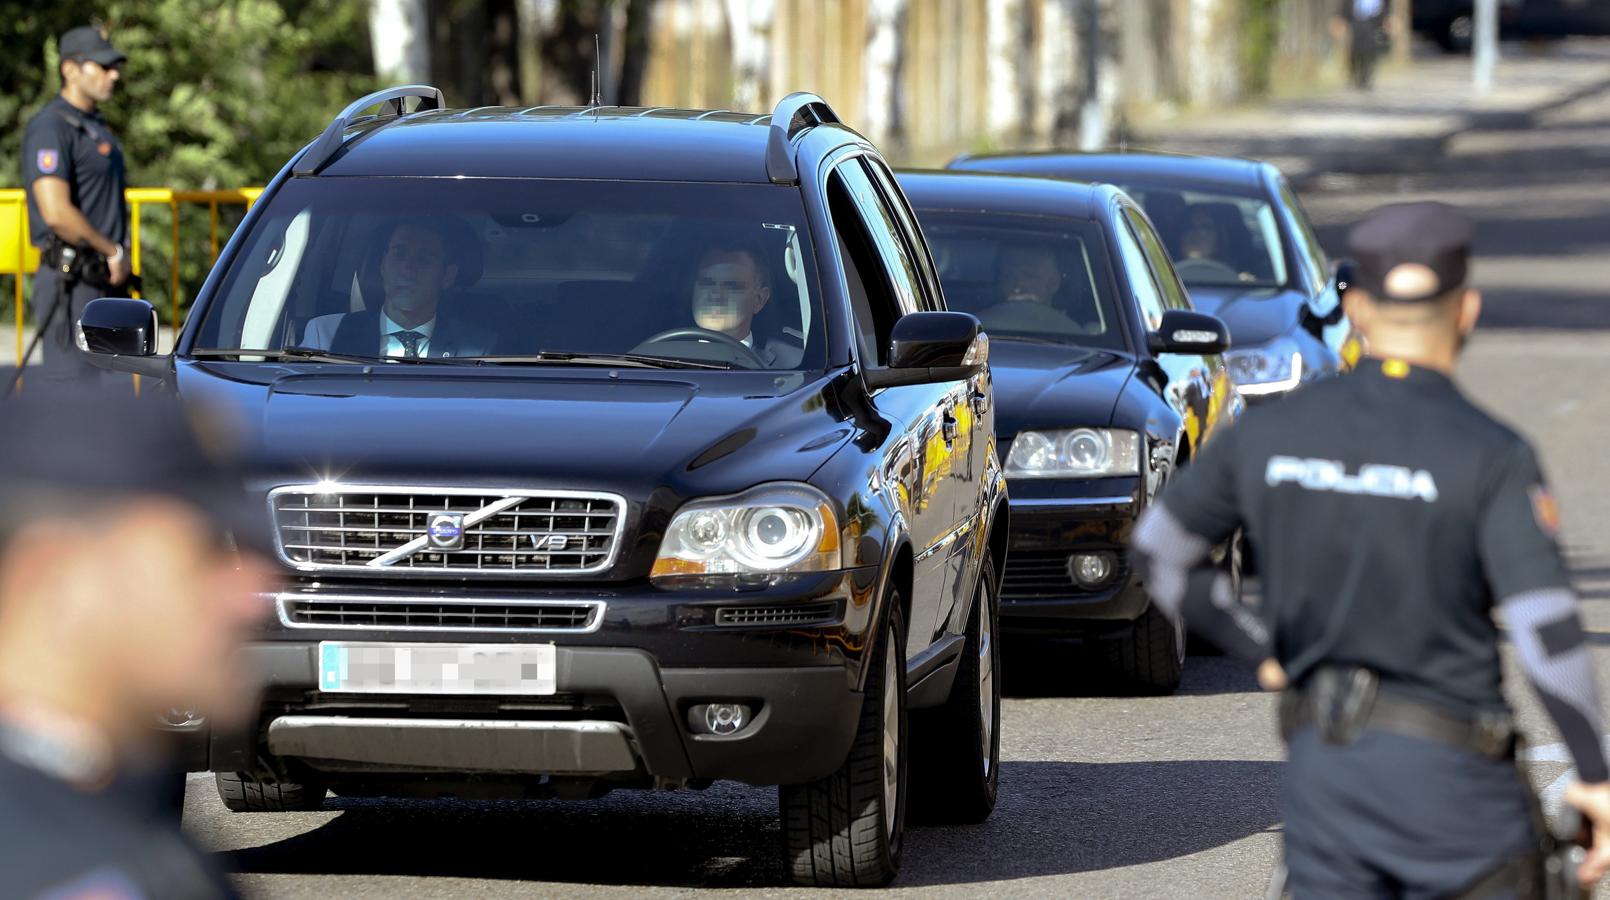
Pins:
x: 605, y: 448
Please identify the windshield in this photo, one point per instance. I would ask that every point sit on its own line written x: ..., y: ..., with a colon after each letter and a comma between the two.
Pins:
x: 1216, y: 239
x: 1028, y: 277
x: 458, y: 271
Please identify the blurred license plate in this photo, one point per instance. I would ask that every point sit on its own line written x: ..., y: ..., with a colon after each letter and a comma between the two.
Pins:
x: 355, y: 668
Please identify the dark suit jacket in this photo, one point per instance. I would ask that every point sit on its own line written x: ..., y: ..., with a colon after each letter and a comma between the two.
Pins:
x: 359, y: 333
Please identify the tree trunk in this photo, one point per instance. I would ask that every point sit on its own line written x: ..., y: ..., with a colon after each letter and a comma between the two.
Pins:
x: 1099, y: 117
x: 881, y: 113
x: 398, y: 31
x: 502, y: 53
x: 1006, y: 70
x: 635, y: 50
x: 749, y: 23
x: 1059, y: 73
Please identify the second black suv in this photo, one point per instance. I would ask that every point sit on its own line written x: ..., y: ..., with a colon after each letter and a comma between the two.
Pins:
x: 605, y: 447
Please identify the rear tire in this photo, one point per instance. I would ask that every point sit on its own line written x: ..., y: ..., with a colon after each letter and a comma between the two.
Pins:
x: 1150, y: 658
x: 244, y: 794
x: 846, y: 830
x: 956, y: 773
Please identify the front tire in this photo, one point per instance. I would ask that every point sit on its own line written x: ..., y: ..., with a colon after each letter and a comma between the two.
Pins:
x: 956, y: 770
x: 1149, y: 658
x: 847, y: 830
x: 245, y: 794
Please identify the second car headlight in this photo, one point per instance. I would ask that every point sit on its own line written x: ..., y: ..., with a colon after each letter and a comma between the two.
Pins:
x: 1074, y: 453
x: 1273, y: 368
x: 766, y: 530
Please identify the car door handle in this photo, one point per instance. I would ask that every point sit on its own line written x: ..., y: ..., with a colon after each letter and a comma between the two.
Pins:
x: 948, y: 429
x: 979, y: 399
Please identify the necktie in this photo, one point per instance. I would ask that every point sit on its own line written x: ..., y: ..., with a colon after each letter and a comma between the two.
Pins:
x: 410, y: 341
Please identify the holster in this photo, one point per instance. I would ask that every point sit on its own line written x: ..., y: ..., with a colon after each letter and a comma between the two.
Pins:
x: 83, y: 264
x: 1337, y: 700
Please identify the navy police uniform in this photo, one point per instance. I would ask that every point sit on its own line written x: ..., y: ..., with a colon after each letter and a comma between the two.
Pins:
x: 1391, y: 517
x: 63, y: 141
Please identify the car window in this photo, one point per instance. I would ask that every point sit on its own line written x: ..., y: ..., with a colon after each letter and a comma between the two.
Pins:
x: 1307, y: 242
x: 872, y: 302
x: 931, y: 294
x: 1174, y: 296
x: 1026, y: 276
x: 1215, y: 238
x: 516, y: 267
x: 1139, y: 273
x: 881, y: 225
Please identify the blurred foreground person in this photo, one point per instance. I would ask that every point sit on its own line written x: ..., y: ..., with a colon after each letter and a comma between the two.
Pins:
x: 120, y: 597
x: 1391, y: 519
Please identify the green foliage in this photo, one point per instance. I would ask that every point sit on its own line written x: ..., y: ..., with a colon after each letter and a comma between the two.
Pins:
x: 215, y: 94
x: 1260, y: 37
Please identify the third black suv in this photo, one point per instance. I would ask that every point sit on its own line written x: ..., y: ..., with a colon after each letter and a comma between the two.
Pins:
x: 606, y: 448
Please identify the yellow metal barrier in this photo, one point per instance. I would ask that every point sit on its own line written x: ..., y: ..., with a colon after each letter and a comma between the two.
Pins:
x: 19, y: 258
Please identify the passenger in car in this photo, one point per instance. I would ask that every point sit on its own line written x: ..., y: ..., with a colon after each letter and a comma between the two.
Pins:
x: 731, y: 287
x: 420, y: 261
x: 1029, y: 281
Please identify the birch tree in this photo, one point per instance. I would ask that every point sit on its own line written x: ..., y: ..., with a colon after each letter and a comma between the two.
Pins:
x: 1058, y: 75
x: 1006, y: 69
x: 881, y: 111
x: 749, y: 23
x: 397, y: 32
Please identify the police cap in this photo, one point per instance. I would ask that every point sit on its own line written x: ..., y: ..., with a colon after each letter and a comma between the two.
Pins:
x: 89, y: 42
x: 88, y: 446
x: 1409, y: 252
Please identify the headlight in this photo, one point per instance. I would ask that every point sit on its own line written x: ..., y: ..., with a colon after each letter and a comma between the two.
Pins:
x: 1075, y: 453
x: 766, y: 530
x: 1274, y: 368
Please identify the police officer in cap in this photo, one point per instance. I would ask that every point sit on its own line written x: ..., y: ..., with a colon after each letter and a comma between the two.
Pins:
x: 1392, y: 518
x: 72, y: 168
x: 131, y: 572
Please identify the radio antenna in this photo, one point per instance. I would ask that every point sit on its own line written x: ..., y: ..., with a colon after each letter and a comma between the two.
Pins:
x: 598, y: 99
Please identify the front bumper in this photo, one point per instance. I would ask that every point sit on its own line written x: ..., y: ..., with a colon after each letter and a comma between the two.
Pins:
x: 1052, y: 521
x: 623, y: 693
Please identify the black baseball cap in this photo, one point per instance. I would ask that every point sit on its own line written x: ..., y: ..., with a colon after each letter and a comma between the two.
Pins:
x: 89, y: 42
x: 1411, y: 252
x: 104, y: 445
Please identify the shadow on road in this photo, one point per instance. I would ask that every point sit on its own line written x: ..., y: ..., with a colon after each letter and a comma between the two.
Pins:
x: 1054, y: 818
x: 1058, y: 668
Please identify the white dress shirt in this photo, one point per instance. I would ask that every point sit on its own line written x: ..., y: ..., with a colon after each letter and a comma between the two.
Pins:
x: 394, y: 346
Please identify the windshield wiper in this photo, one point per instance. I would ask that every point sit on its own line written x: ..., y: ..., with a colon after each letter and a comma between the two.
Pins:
x: 314, y: 354
x: 1069, y: 341
x: 634, y: 360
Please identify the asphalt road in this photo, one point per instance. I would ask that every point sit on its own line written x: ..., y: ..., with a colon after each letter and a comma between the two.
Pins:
x: 1100, y: 797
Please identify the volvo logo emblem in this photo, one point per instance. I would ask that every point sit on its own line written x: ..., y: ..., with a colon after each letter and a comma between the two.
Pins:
x: 549, y: 542
x: 446, y: 531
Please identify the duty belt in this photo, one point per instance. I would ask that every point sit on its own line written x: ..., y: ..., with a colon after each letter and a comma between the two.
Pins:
x: 1342, y: 701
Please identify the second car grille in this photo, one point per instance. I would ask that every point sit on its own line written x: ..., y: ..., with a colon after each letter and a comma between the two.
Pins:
x: 445, y: 531
x: 423, y: 613
x: 1035, y: 575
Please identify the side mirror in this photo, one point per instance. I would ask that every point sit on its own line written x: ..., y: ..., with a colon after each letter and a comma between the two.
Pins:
x: 1184, y: 331
x: 927, y: 347
x: 118, y: 326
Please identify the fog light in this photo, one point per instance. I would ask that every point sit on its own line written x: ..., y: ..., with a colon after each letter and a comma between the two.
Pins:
x: 719, y: 718
x: 1091, y: 570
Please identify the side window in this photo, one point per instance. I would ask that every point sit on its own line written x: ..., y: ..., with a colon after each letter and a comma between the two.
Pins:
x: 930, y: 292
x: 1307, y: 242
x: 1139, y: 274
x: 872, y: 304
x: 880, y: 223
x: 1174, y: 296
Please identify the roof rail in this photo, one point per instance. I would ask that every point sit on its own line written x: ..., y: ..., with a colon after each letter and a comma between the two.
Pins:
x: 329, y: 142
x: 794, y: 113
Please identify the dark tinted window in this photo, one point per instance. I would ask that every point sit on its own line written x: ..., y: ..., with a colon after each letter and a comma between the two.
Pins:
x: 1174, y: 296
x: 1214, y: 236
x: 1147, y: 297
x: 899, y: 259
x: 1307, y: 242
x: 929, y: 282
x: 872, y: 302
x: 530, y: 265
x: 1026, y: 276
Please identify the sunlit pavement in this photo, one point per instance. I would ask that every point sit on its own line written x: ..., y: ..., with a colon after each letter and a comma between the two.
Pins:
x: 1100, y: 797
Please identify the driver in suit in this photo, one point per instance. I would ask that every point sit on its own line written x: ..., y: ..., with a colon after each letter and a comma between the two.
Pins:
x: 730, y: 288
x: 417, y: 265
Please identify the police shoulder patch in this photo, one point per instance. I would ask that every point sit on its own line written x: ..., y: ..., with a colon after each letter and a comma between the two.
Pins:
x: 1545, y: 510
x: 47, y: 161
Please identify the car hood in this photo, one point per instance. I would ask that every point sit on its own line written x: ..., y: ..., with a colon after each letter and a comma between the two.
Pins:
x: 1255, y: 315
x: 1054, y: 385
x: 629, y: 431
